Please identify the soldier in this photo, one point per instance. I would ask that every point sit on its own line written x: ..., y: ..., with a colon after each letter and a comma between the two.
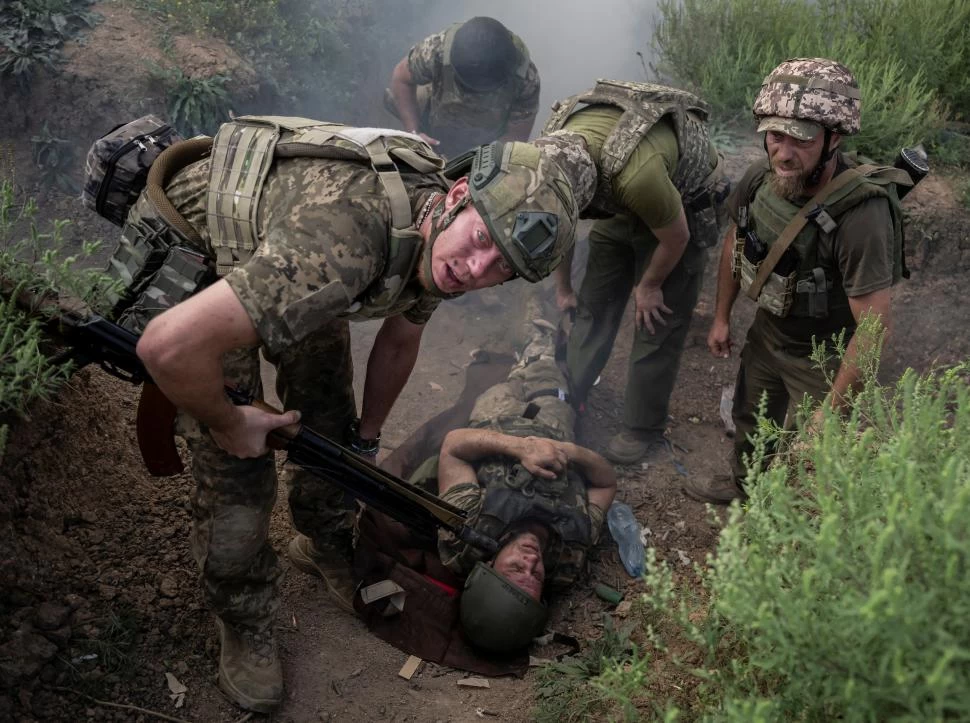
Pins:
x: 523, y: 482
x: 472, y: 83
x: 310, y: 225
x: 817, y: 243
x: 658, y: 191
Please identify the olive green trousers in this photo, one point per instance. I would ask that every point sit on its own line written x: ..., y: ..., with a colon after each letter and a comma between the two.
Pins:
x: 620, y: 249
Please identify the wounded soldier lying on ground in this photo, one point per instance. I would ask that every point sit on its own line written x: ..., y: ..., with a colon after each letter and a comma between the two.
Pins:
x: 522, y: 481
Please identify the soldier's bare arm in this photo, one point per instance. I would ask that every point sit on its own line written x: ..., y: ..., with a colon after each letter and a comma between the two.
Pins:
x: 404, y: 92
x: 876, y: 303
x: 182, y: 349
x: 388, y: 368
x: 565, y: 294
x: 648, y: 294
x: 462, y: 447
x: 599, y: 473
x: 719, y: 336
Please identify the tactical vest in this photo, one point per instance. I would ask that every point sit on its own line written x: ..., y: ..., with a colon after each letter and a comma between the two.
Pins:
x: 512, y: 494
x: 643, y: 105
x: 242, y: 154
x: 814, y: 287
x: 453, y: 106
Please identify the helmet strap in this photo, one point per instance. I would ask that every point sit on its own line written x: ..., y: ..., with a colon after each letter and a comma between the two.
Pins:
x: 816, y: 175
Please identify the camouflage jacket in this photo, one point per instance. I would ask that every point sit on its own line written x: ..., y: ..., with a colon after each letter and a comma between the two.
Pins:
x: 482, y: 117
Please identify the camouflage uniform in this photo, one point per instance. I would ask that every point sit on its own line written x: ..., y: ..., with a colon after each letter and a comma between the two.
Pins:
x: 620, y: 121
x: 458, y: 117
x: 851, y: 247
x: 530, y: 403
x: 323, y: 228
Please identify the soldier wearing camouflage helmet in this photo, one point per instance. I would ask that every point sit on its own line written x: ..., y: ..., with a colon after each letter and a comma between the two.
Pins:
x: 472, y: 83
x: 657, y: 193
x: 296, y: 227
x: 812, y: 275
x: 523, y: 481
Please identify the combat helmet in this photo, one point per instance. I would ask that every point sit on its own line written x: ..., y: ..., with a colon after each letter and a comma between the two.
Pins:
x: 496, y: 614
x: 525, y: 199
x: 483, y: 54
x: 820, y: 91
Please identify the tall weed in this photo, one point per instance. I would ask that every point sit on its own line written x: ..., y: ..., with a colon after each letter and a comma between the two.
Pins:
x: 909, y: 56
x: 36, y: 261
x: 841, y: 591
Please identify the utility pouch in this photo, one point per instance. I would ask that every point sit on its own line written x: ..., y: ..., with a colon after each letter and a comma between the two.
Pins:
x: 778, y: 292
x: 137, y: 257
x: 705, y: 209
x: 816, y: 289
x: 183, y: 272
x: 117, y: 165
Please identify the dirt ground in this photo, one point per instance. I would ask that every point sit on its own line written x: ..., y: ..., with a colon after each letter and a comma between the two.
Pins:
x: 99, y: 597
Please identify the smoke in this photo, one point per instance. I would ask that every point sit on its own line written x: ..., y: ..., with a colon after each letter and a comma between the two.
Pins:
x: 572, y: 42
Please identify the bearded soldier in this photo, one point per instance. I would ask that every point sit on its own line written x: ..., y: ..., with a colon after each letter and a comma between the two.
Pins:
x: 472, y: 83
x: 307, y: 226
x: 657, y: 192
x: 817, y: 243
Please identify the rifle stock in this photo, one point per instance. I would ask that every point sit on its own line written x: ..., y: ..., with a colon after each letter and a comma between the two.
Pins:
x: 94, y: 339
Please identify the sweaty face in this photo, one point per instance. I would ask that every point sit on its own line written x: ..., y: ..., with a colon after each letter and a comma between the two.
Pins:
x: 792, y: 162
x: 464, y: 257
x: 521, y: 562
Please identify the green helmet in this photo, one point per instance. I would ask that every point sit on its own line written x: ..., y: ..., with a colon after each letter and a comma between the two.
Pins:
x: 496, y: 614
x: 525, y: 199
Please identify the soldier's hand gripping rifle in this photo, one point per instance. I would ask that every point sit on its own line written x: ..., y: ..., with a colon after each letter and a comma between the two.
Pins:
x: 93, y: 339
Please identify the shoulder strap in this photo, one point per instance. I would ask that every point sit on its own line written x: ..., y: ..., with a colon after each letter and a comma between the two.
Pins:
x: 795, y: 226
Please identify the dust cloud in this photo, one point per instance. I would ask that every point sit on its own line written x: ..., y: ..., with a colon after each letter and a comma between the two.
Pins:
x: 572, y: 42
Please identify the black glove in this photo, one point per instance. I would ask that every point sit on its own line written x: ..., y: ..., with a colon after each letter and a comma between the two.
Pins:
x: 359, y: 445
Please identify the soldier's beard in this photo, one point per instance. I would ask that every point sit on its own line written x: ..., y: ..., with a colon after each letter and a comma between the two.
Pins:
x: 788, y: 187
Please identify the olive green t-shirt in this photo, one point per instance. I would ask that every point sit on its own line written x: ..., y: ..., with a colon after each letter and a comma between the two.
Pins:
x: 859, y: 251
x: 643, y: 185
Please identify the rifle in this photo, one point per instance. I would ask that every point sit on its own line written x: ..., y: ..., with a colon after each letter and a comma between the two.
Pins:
x: 91, y: 338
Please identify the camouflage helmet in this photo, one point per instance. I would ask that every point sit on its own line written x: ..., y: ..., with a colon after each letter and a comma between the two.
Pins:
x: 803, y: 95
x: 496, y: 614
x: 525, y: 199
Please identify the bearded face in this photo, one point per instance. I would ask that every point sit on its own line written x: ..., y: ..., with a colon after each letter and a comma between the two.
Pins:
x: 792, y: 163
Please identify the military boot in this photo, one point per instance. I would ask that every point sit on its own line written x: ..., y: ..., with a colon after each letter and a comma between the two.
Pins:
x: 634, y: 445
x: 249, y: 667
x: 329, y: 566
x: 721, y: 490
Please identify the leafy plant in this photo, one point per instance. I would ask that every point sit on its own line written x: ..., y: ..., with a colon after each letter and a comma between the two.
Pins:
x: 195, y: 105
x: 37, y: 262
x: 840, y: 591
x: 52, y: 155
x: 32, y: 33
x: 574, y: 689
x: 908, y: 56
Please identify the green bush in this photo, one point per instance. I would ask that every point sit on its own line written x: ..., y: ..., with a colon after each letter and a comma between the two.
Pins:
x: 35, y: 262
x: 195, y: 105
x: 33, y: 31
x: 841, y: 590
x: 909, y: 56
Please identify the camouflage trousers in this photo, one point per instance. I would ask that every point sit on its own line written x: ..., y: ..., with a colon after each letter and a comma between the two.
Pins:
x: 534, y: 393
x: 234, y: 498
x: 620, y: 249
x: 781, y: 371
